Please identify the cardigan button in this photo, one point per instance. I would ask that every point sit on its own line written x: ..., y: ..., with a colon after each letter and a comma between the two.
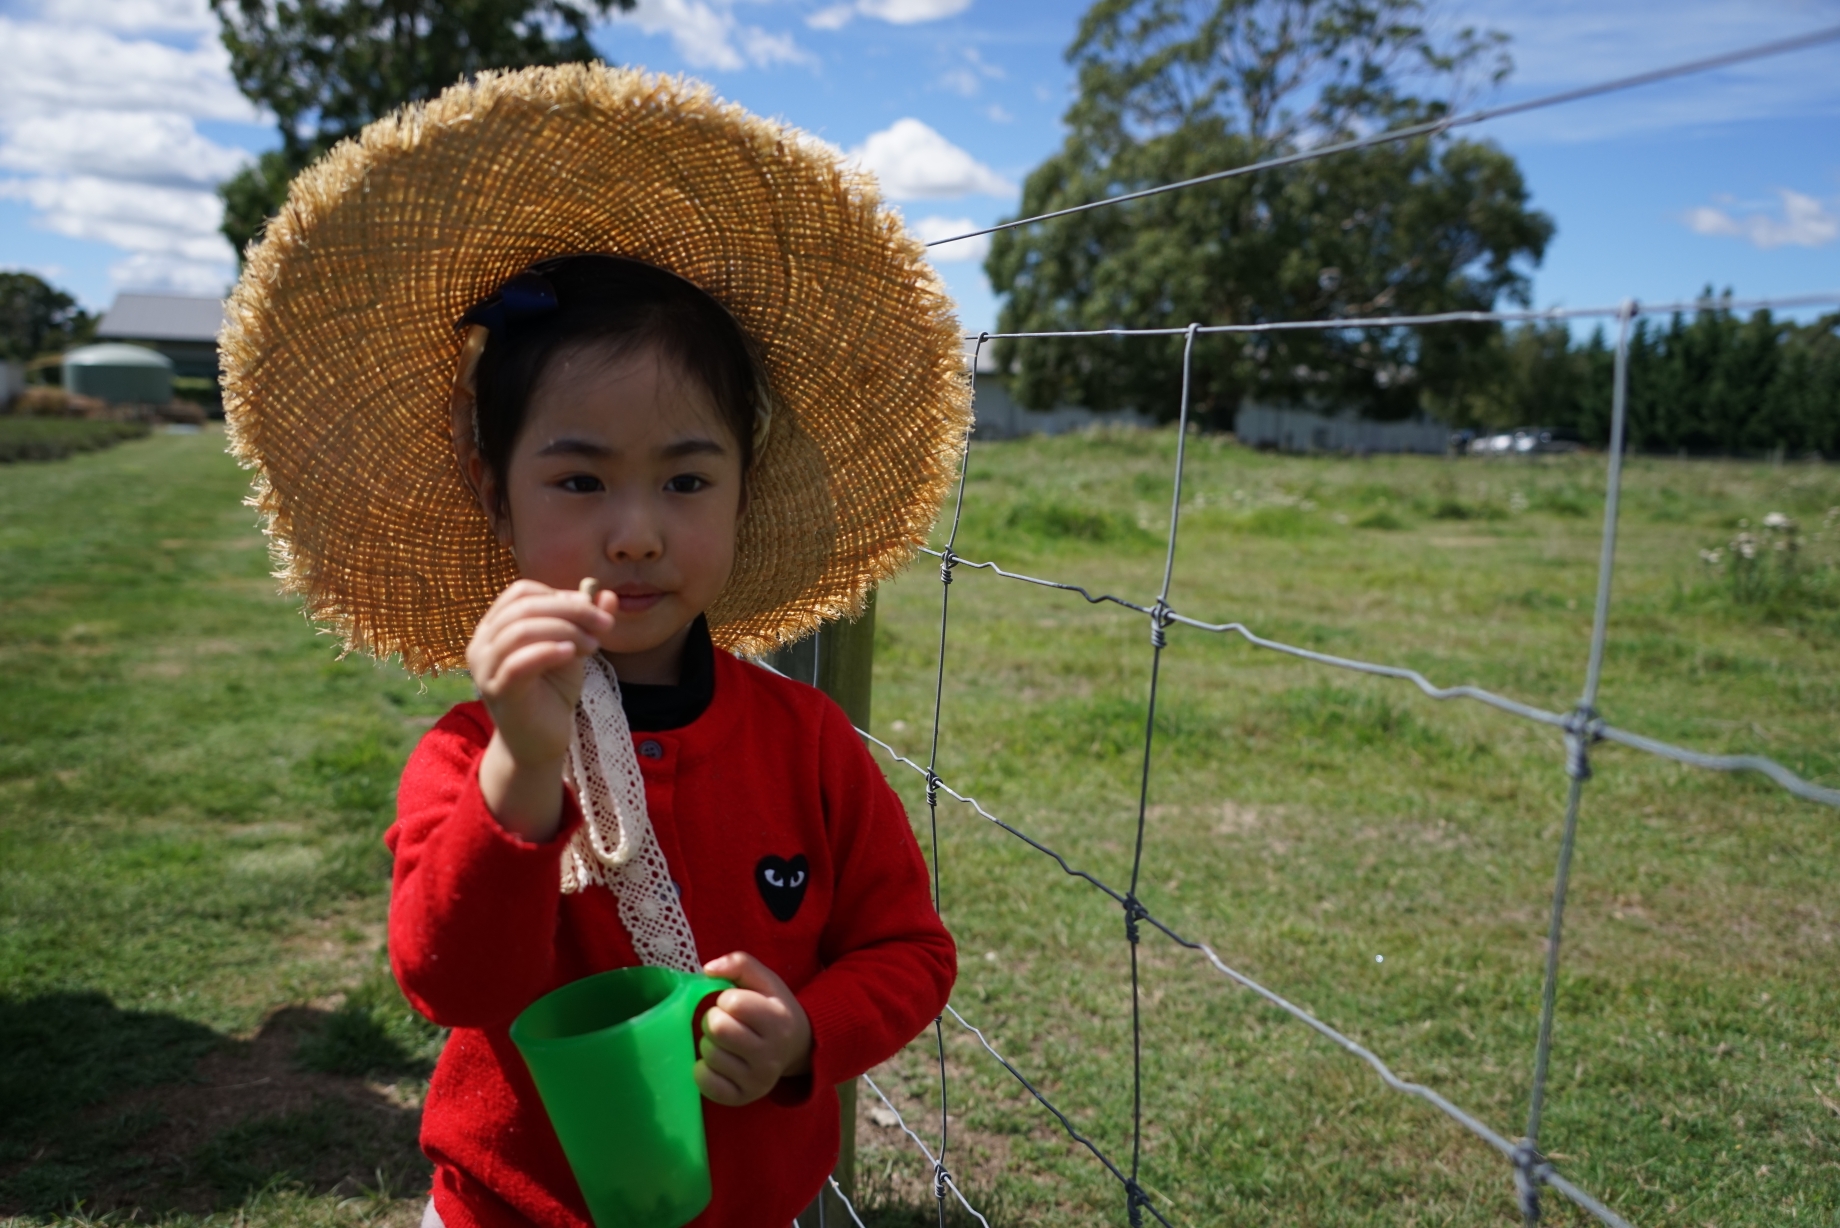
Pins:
x: 651, y: 749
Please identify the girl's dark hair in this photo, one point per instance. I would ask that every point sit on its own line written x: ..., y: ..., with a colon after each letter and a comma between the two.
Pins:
x: 616, y: 306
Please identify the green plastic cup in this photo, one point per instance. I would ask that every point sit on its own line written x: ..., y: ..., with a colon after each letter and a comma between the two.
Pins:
x: 612, y: 1055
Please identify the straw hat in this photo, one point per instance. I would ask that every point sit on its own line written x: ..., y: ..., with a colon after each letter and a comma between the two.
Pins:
x: 340, y: 349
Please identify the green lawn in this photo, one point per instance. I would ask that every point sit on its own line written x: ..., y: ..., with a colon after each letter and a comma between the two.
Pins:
x: 192, y: 994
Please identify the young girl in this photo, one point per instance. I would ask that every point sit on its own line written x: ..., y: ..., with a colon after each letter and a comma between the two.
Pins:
x: 720, y: 401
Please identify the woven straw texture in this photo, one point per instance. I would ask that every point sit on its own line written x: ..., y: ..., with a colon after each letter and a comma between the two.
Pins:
x: 340, y: 350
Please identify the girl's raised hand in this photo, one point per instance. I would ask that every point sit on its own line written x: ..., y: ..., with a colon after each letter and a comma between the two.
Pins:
x: 527, y: 657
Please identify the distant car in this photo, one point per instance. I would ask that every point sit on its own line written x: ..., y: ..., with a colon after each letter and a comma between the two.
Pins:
x: 1522, y: 441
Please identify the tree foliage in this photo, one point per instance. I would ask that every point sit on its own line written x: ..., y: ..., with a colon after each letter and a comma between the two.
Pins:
x: 1172, y: 89
x: 37, y: 318
x: 326, y: 68
x: 1712, y: 384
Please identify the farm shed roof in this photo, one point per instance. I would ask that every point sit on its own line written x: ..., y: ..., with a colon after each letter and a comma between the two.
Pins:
x: 163, y: 317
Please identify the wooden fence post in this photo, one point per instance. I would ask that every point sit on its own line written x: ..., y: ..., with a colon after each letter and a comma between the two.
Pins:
x: 838, y: 659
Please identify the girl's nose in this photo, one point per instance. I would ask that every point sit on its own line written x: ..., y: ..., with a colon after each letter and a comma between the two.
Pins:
x: 634, y: 538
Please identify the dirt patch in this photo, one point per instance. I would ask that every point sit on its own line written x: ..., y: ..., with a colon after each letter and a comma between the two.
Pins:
x: 892, y: 1174
x: 347, y: 942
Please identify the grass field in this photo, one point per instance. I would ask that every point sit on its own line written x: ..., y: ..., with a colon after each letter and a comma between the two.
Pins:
x: 198, y: 1023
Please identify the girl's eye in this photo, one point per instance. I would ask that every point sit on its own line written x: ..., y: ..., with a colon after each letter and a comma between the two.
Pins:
x: 581, y: 484
x: 685, y: 484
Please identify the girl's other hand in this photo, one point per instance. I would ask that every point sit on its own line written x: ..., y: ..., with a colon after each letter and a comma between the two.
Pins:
x: 527, y: 658
x: 755, y: 1035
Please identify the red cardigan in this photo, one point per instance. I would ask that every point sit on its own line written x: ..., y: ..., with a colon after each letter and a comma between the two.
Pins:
x: 479, y: 929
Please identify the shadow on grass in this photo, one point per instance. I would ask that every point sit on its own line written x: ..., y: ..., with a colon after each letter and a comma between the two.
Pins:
x: 146, y: 1113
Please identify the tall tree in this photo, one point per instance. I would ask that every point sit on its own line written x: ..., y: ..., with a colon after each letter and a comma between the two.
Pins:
x: 37, y: 318
x: 1171, y: 89
x: 1709, y: 384
x: 326, y: 68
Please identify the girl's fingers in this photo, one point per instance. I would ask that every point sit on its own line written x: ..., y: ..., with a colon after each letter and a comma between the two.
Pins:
x: 516, y: 591
x: 493, y: 671
x: 530, y: 630
x: 730, y: 1065
x: 722, y: 1028
x: 530, y: 661
x: 717, y: 1088
x: 748, y: 973
x: 528, y: 599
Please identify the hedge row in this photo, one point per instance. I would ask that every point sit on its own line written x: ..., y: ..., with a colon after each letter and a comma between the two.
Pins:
x: 30, y: 439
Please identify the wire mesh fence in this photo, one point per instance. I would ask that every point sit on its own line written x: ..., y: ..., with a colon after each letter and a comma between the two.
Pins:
x: 1582, y: 727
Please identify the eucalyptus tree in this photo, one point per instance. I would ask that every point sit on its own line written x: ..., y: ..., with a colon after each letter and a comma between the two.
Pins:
x: 1172, y: 89
x: 326, y: 68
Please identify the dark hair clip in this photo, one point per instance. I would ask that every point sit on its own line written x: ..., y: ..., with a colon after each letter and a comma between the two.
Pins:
x: 524, y: 296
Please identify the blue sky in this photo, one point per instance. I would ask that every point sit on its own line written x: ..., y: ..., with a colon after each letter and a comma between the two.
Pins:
x: 120, y: 115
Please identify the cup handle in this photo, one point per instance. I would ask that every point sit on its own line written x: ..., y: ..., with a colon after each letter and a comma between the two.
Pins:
x: 702, y: 986
x: 692, y: 992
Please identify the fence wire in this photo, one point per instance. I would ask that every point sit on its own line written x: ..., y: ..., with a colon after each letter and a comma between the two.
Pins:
x: 1582, y: 727
x: 1437, y: 127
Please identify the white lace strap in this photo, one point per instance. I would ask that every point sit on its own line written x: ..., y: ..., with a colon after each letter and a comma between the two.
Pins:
x: 616, y: 847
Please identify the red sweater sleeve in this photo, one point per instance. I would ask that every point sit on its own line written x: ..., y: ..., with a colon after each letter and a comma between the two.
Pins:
x: 889, y: 961
x: 473, y: 909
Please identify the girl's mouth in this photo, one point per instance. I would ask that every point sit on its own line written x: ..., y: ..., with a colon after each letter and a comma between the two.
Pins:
x: 636, y: 600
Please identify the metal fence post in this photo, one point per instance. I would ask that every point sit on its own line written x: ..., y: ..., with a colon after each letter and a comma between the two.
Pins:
x: 838, y: 659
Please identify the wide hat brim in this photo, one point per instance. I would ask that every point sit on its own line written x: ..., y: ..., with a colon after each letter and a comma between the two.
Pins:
x: 339, y: 352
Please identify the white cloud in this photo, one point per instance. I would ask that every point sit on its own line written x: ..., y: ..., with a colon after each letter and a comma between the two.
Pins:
x: 961, y: 81
x: 932, y: 229
x: 968, y: 78
x: 707, y: 34
x: 171, y: 274
x: 98, y: 127
x: 1804, y: 222
x: 911, y: 12
x: 763, y: 48
x: 835, y: 17
x: 147, y: 147
x: 895, y: 12
x: 174, y: 15
x: 58, y: 67
x: 135, y: 216
x: 914, y: 162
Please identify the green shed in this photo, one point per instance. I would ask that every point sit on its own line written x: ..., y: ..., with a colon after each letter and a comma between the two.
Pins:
x: 119, y: 373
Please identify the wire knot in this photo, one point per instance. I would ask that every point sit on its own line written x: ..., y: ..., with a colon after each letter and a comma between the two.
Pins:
x: 947, y: 561
x: 1134, y: 911
x: 932, y: 787
x: 941, y: 1178
x: 1582, y: 728
x: 1530, y: 1173
x: 1135, y: 1200
x: 1161, y: 615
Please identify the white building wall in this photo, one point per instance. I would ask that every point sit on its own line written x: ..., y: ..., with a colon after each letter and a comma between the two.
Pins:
x: 1299, y: 430
x: 998, y: 416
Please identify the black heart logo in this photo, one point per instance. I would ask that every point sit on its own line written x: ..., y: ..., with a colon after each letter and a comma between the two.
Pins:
x: 782, y: 884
